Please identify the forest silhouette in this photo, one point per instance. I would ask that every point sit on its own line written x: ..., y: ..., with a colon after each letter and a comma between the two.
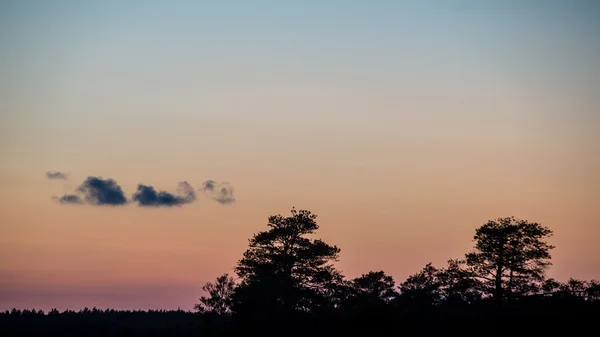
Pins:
x: 286, y: 284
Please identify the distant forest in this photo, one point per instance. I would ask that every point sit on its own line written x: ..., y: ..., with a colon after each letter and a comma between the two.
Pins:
x: 286, y: 284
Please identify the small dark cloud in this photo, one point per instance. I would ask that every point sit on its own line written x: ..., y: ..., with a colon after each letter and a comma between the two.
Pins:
x: 147, y: 196
x: 56, y: 175
x: 69, y: 199
x: 98, y: 191
x: 209, y: 185
x: 220, y: 192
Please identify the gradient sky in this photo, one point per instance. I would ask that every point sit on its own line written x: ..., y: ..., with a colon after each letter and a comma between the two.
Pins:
x: 404, y: 125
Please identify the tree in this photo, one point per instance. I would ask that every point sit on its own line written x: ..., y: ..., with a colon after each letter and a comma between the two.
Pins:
x: 550, y: 286
x: 593, y: 290
x: 284, y: 270
x: 422, y: 288
x: 573, y: 289
x: 375, y: 287
x: 220, y: 294
x: 510, y: 257
x: 458, y: 284
x: 579, y: 289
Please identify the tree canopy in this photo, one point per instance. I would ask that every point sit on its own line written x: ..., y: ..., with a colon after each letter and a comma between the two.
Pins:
x: 510, y: 257
x: 285, y: 269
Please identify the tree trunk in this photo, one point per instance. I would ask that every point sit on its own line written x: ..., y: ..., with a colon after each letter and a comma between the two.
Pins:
x: 499, y: 290
x: 510, y: 287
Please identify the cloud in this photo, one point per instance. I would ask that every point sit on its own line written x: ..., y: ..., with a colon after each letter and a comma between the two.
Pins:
x: 185, y: 189
x: 147, y: 196
x: 98, y: 191
x: 209, y: 185
x: 56, y: 175
x: 220, y: 192
x: 69, y: 199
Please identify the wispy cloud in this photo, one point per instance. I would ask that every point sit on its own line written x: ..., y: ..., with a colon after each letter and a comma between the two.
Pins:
x: 220, y: 192
x: 69, y: 199
x: 56, y: 175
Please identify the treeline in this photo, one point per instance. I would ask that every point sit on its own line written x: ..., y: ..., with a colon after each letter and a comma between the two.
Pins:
x: 97, y: 322
x: 286, y: 284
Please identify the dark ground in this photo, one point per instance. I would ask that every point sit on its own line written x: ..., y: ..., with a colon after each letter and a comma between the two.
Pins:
x: 533, y: 319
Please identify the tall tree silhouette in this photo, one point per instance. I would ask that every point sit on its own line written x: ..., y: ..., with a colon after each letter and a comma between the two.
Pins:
x: 283, y: 270
x: 510, y: 257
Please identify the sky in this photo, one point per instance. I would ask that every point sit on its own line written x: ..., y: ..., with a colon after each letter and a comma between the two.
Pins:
x: 404, y: 125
